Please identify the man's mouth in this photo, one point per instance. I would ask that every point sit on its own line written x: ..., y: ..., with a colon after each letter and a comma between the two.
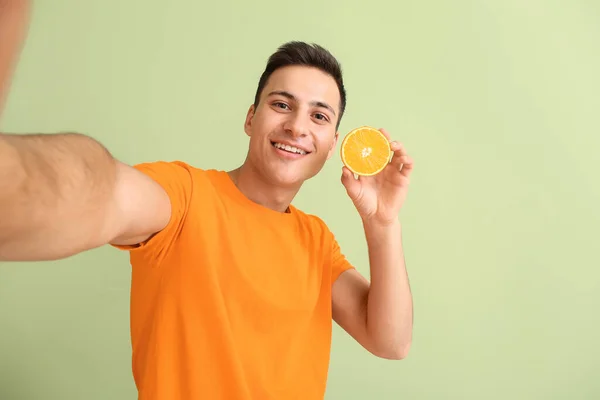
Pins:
x: 288, y: 148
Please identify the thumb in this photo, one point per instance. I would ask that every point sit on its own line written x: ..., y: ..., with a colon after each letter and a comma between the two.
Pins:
x: 351, y: 184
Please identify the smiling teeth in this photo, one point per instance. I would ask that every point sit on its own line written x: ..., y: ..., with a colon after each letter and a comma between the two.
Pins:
x: 288, y: 148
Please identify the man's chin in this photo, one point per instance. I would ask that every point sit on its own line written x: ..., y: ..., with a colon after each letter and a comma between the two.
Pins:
x: 291, y: 175
x: 286, y: 178
x: 287, y: 181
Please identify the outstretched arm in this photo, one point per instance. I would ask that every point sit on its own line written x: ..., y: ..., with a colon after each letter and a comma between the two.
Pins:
x: 62, y: 194
x: 14, y: 18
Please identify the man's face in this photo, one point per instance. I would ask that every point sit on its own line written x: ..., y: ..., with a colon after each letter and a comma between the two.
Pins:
x: 293, y: 129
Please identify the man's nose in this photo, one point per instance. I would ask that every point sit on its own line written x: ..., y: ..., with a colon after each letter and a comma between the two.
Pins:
x: 297, y: 125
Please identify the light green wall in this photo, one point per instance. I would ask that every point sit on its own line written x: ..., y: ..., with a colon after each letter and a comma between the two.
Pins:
x: 498, y: 103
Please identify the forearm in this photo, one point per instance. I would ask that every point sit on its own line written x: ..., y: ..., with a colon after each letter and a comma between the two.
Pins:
x: 54, y: 191
x: 389, y: 304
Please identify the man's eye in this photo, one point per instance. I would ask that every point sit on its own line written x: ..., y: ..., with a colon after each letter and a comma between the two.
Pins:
x: 281, y: 105
x: 321, y: 117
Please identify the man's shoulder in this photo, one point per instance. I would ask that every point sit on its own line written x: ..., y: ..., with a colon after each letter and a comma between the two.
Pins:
x: 178, y: 169
x: 166, y: 165
x: 313, y: 222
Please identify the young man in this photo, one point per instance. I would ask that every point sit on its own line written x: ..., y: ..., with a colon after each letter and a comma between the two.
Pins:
x: 233, y: 288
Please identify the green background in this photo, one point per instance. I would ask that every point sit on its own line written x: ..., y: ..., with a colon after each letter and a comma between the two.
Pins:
x: 497, y: 101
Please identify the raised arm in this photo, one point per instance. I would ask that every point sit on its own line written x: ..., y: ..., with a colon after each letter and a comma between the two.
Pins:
x: 379, y: 314
x: 14, y: 18
x: 61, y: 194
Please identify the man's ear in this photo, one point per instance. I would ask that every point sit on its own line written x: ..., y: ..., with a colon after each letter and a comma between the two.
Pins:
x: 333, y: 145
x: 248, y: 122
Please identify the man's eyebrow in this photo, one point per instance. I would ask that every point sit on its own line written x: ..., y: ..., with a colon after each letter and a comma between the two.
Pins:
x: 323, y: 105
x: 282, y: 93
x: 290, y: 96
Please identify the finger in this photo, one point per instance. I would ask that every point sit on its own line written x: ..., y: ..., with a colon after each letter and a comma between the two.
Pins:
x: 407, y: 166
x: 401, y: 160
x: 351, y: 184
x: 400, y: 155
x: 347, y: 173
x: 398, y: 149
x: 385, y: 133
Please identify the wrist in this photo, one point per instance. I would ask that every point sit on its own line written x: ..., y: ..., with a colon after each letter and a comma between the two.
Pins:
x: 374, y: 223
x: 378, y: 229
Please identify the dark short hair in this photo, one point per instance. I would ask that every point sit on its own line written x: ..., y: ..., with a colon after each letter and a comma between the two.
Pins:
x: 310, y: 55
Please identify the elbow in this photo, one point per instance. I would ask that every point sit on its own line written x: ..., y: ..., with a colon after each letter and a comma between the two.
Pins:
x: 400, y: 352
x: 396, y: 351
x: 392, y: 344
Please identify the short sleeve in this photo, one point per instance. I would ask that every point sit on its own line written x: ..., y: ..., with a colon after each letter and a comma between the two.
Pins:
x: 339, y: 262
x: 175, y: 178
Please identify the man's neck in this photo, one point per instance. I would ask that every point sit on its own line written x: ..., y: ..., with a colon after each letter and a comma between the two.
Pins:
x: 255, y: 188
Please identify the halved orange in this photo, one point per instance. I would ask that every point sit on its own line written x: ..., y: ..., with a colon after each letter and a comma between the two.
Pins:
x: 365, y: 151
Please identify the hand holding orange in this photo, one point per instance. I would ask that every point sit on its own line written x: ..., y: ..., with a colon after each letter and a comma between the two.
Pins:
x: 383, y: 167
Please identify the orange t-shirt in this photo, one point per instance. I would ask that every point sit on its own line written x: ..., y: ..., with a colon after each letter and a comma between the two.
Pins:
x: 231, y: 300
